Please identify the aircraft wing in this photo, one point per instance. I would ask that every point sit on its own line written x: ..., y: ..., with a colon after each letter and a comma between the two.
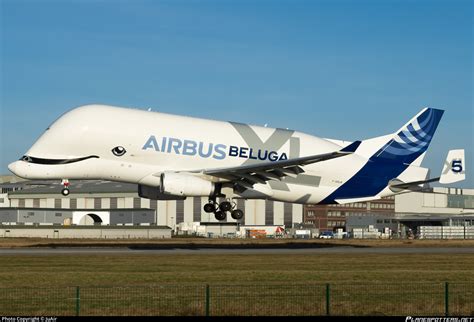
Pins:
x: 247, y: 175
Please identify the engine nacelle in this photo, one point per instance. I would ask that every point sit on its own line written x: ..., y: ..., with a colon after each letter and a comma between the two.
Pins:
x: 155, y: 194
x: 182, y: 184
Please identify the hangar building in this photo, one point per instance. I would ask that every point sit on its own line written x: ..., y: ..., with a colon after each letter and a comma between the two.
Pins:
x: 119, y: 204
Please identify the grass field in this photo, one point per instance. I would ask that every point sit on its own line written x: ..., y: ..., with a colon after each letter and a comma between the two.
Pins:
x: 116, y: 270
x: 251, y: 284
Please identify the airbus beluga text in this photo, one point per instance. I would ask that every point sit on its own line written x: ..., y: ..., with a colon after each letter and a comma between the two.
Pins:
x: 172, y: 157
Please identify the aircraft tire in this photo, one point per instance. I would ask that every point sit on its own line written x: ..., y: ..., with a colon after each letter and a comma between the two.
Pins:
x: 220, y: 215
x: 237, y: 214
x: 65, y: 192
x: 209, y: 207
x: 225, y: 206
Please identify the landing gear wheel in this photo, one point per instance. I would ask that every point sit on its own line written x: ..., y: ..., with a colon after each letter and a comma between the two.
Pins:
x: 209, y: 207
x: 225, y: 206
x: 237, y: 214
x: 65, y: 192
x: 220, y: 215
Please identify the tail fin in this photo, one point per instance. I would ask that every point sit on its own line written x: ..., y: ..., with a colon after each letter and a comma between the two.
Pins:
x: 412, y: 140
x: 453, y: 170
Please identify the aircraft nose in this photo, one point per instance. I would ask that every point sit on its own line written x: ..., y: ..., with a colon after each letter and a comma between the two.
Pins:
x: 17, y: 168
x: 12, y: 167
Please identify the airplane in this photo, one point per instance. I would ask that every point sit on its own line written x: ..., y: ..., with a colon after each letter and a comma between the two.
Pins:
x: 172, y: 157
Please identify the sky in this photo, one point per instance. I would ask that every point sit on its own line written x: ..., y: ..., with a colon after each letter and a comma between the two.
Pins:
x: 337, y: 69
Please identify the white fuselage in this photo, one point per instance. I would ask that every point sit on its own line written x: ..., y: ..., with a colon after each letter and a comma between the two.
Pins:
x: 158, y: 142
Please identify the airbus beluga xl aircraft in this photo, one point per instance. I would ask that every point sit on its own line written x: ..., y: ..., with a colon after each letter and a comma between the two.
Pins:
x: 173, y: 157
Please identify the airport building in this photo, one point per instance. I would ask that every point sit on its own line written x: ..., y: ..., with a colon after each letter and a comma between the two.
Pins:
x: 398, y: 215
x: 118, y: 204
x: 441, y: 207
x: 99, y: 203
x: 330, y: 217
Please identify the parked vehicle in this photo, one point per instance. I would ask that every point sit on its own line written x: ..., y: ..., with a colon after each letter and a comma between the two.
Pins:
x: 326, y: 234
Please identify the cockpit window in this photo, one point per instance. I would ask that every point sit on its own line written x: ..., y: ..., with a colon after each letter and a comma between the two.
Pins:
x: 29, y: 159
x: 119, y: 151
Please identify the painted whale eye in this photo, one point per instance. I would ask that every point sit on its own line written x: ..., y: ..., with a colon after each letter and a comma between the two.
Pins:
x: 119, y: 151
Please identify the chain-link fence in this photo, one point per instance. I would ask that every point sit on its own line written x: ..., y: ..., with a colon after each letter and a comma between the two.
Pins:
x: 428, y: 299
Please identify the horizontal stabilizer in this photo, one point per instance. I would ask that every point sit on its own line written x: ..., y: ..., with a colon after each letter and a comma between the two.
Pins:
x: 399, y: 186
x: 453, y: 171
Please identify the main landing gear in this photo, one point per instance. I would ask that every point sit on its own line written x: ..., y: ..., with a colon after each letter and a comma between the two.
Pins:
x: 65, y: 192
x: 220, y: 210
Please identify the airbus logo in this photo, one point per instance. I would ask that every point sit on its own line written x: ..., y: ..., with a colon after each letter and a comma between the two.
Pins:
x: 209, y: 150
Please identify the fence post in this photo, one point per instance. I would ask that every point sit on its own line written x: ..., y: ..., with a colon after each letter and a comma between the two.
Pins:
x: 208, y: 293
x: 78, y: 300
x: 446, y: 299
x: 328, y: 303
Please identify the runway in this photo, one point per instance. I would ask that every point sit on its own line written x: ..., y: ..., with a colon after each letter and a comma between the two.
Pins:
x: 230, y: 251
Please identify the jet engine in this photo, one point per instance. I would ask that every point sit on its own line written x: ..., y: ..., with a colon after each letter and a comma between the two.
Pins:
x: 183, y: 184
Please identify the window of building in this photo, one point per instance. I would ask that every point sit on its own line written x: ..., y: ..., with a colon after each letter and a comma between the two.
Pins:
x: 461, y: 201
x: 179, y: 211
x: 58, y: 214
x: 113, y: 203
x: 73, y: 203
x: 57, y: 203
x: 334, y: 214
x: 334, y: 223
x: 2, y: 200
x: 21, y: 203
x: 137, y: 203
x: 387, y: 221
x: 268, y: 212
x: 97, y: 203
x: 197, y: 209
x: 310, y: 213
x: 30, y: 214
x: 379, y: 221
x: 287, y: 214
x: 36, y: 203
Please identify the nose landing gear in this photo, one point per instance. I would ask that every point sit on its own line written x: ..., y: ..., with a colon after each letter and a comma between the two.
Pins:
x: 220, y: 210
x: 65, y: 191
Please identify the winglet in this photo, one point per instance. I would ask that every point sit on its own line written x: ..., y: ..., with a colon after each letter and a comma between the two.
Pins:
x: 351, y: 148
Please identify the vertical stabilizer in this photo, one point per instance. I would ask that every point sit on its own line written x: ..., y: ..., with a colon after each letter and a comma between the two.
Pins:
x: 409, y: 144
x: 454, y: 167
x: 394, y: 154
